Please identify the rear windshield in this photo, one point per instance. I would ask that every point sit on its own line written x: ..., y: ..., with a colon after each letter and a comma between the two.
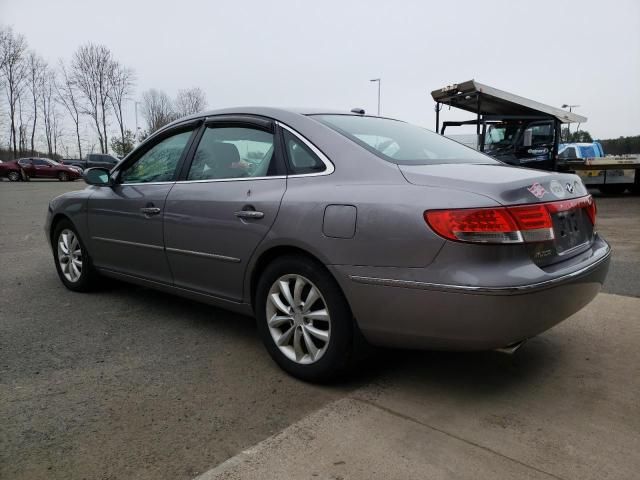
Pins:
x: 400, y: 142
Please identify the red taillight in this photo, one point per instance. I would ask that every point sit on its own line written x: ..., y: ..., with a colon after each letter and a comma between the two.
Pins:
x: 518, y: 224
x: 493, y: 225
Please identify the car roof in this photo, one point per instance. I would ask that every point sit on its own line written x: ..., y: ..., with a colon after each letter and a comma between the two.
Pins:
x: 282, y: 114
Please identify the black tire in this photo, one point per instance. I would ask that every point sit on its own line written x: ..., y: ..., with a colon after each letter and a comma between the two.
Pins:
x: 63, y: 176
x: 87, y: 279
x: 612, y: 189
x: 339, y: 352
x: 14, y: 176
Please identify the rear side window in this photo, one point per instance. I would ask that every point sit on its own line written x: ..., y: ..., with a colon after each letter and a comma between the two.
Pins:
x: 400, y: 142
x: 569, y: 152
x: 301, y: 158
x: 233, y: 152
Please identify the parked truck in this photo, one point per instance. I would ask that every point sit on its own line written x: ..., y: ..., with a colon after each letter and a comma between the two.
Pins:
x: 93, y: 160
x: 523, y: 132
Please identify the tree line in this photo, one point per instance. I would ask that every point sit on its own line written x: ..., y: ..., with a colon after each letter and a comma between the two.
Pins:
x: 612, y: 146
x: 77, y: 106
x: 622, y: 145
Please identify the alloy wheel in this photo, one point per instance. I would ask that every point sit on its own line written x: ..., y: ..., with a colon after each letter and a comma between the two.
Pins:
x: 70, y: 255
x: 13, y: 176
x: 298, y: 319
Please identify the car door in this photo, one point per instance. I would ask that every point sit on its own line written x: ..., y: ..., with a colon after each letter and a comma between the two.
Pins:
x: 224, y: 204
x: 125, y: 220
x: 42, y: 169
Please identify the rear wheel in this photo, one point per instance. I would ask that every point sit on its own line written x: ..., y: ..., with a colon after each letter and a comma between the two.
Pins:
x: 63, y: 176
x: 72, y: 260
x: 13, y: 176
x: 304, y: 319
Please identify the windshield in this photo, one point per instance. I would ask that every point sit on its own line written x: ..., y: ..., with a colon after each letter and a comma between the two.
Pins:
x: 400, y: 142
x: 500, y: 134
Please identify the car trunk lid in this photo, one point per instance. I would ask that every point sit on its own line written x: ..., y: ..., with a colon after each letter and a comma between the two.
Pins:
x: 564, y: 196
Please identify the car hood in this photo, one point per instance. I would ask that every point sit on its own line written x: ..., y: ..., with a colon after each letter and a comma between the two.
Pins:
x: 505, y: 184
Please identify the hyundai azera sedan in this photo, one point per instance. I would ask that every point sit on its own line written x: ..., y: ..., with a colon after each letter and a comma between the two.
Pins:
x: 329, y: 227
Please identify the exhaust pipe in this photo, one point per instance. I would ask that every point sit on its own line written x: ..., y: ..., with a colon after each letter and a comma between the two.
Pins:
x: 510, y: 349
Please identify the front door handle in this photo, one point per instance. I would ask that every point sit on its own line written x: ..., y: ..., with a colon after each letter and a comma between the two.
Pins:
x: 148, y: 211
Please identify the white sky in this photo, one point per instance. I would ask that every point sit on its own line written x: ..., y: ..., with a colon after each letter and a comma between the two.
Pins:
x: 323, y: 53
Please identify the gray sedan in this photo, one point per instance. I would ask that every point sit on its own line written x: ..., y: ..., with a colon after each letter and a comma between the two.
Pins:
x: 329, y: 227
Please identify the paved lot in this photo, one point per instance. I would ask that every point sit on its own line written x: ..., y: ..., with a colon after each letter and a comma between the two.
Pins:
x: 130, y: 383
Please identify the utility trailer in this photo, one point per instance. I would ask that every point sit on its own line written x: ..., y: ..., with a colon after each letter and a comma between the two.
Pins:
x: 526, y: 133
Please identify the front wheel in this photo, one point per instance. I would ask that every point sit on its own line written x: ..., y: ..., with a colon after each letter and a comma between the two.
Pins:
x: 63, y: 176
x: 73, y: 263
x: 304, y: 319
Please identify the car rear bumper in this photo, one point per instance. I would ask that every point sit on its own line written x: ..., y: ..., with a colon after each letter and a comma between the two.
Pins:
x: 401, y: 312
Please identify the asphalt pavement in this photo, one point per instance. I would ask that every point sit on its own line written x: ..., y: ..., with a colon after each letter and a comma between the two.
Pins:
x: 131, y: 383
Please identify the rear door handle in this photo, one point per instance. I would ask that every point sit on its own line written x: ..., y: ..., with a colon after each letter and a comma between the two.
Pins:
x: 249, y: 214
x: 150, y: 210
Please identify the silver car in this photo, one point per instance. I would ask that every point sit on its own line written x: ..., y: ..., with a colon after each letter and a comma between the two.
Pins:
x: 329, y: 227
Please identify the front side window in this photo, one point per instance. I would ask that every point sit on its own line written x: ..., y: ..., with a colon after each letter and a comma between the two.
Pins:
x: 400, y: 142
x: 500, y: 134
x: 301, y: 158
x: 541, y: 134
x: 159, y: 163
x: 233, y: 152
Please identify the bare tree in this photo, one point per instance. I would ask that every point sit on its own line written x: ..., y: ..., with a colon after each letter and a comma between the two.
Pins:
x: 56, y: 130
x: 68, y: 97
x: 47, y: 98
x: 4, y: 41
x: 121, y: 82
x: 36, y: 68
x: 14, y: 73
x: 91, y: 67
x: 22, y: 127
x: 156, y: 109
x: 190, y: 101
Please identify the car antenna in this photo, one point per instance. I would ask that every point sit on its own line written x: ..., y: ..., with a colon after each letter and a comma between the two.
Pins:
x: 359, y: 111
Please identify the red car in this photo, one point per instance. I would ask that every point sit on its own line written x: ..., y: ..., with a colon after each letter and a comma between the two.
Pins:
x: 45, y: 168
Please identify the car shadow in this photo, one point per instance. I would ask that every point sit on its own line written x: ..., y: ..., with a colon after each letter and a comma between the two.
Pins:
x: 463, y: 373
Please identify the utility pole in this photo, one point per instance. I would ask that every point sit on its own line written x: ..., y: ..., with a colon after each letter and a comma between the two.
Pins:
x: 379, y: 81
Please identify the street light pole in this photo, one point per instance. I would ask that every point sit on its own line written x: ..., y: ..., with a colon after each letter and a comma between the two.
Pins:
x: 570, y: 107
x: 379, y: 81
x: 136, y: 105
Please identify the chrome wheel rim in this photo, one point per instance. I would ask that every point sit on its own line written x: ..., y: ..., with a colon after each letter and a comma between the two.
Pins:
x: 70, y: 255
x: 298, y: 319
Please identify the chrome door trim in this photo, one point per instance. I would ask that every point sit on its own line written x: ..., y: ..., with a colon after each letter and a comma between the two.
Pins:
x: 329, y: 166
x: 126, y: 242
x: 327, y: 163
x: 499, y: 290
x: 142, y: 183
x: 214, y: 256
x: 239, y: 179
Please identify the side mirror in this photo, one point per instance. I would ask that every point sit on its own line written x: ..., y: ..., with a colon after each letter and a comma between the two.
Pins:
x: 97, y: 176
